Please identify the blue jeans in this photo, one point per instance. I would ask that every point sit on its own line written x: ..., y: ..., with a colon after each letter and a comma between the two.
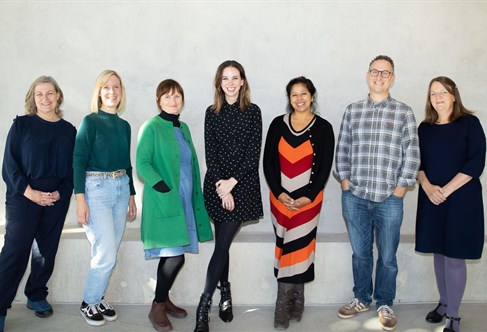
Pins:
x: 108, y: 201
x: 365, y: 218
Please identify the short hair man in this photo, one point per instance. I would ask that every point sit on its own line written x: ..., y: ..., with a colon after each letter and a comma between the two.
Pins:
x: 377, y: 158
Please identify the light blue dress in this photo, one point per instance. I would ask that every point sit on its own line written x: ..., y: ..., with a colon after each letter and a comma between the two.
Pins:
x: 185, y: 193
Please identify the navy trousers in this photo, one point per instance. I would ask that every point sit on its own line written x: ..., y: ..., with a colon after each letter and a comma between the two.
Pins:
x: 30, y: 228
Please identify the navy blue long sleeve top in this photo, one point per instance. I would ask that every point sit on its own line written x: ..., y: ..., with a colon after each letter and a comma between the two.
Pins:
x: 39, y: 153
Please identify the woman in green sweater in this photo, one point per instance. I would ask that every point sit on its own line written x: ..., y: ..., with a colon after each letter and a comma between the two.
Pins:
x: 174, y: 218
x: 104, y: 189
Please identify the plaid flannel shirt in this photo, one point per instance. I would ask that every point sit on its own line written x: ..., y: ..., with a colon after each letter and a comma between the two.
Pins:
x: 377, y: 148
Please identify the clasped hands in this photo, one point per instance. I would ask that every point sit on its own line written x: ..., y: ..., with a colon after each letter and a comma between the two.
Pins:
x: 42, y: 198
x: 224, y: 189
x: 436, y: 194
x: 293, y: 204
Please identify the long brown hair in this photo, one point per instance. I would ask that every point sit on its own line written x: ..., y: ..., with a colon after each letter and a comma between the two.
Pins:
x: 431, y: 115
x: 243, y: 94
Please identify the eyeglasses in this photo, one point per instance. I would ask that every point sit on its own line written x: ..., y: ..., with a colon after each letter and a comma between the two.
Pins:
x: 383, y: 73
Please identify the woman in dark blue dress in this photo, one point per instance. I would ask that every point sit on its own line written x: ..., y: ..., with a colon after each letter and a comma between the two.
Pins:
x: 450, y: 217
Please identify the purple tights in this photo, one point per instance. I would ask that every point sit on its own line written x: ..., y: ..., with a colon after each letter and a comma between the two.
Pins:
x: 451, y: 279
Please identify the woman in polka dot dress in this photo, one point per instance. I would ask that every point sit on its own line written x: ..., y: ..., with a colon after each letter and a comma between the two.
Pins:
x: 233, y: 140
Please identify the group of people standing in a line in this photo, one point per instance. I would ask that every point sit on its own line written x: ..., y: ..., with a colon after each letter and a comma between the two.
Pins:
x: 379, y: 154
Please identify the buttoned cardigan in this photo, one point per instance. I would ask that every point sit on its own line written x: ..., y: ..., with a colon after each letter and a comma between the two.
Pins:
x: 158, y: 158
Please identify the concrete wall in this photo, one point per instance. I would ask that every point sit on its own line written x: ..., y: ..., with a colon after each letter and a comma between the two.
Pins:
x: 330, y: 42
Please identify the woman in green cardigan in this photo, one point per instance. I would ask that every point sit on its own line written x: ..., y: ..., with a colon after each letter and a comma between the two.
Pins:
x: 174, y: 218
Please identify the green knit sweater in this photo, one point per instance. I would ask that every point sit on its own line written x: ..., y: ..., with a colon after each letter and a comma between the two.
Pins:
x: 102, y: 145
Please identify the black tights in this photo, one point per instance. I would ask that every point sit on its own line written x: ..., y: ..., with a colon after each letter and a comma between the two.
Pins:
x: 166, y: 274
x: 218, y: 267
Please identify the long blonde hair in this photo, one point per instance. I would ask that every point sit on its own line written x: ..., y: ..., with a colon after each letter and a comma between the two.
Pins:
x: 101, y: 80
x: 243, y: 94
x: 30, y: 103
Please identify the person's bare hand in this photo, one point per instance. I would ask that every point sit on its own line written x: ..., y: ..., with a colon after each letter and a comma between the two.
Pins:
x: 293, y: 204
x: 224, y: 187
x: 228, y: 202
x: 40, y: 197
x: 132, y: 210
x: 435, y: 194
x: 82, y: 211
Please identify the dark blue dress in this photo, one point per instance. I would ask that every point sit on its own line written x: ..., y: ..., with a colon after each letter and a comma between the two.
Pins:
x: 454, y: 228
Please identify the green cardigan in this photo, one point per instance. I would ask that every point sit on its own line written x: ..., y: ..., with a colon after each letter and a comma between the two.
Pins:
x: 158, y: 158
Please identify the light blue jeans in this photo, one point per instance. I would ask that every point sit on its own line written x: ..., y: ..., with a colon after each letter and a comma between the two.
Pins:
x: 365, y: 218
x: 108, y: 201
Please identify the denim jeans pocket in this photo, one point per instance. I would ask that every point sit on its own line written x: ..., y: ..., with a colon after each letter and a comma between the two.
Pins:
x: 94, y: 183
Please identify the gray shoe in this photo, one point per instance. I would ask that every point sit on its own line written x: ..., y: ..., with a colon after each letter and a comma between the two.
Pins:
x: 284, y: 303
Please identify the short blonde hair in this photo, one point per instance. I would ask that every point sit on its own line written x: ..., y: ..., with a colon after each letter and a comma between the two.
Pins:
x: 30, y: 103
x: 101, y: 80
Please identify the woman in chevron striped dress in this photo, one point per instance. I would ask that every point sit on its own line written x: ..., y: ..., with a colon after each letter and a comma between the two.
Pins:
x: 298, y: 156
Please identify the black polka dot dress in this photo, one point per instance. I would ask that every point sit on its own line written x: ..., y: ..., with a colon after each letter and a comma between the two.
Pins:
x: 233, y: 141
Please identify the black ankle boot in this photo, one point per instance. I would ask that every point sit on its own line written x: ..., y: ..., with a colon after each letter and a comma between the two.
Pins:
x: 225, y: 312
x: 202, y: 318
x: 450, y: 320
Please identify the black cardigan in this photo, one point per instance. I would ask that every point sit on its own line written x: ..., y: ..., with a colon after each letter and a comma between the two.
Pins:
x: 323, y: 142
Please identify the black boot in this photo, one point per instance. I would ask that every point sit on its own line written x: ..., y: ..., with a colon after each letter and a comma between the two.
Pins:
x: 202, y: 318
x: 284, y: 302
x: 298, y: 303
x: 226, y: 312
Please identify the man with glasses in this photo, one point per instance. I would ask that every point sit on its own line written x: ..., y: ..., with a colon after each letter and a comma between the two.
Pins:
x: 377, y: 158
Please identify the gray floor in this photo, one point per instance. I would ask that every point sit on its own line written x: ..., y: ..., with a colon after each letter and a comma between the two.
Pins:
x: 66, y: 318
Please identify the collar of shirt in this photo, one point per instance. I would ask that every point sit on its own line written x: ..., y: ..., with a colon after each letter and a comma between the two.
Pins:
x: 382, y: 104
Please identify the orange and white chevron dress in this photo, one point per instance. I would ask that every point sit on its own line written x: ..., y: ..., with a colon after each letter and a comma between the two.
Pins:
x: 298, y: 163
x: 295, y: 230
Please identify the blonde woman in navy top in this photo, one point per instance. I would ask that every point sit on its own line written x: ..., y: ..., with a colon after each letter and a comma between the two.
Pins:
x: 37, y: 169
x: 104, y: 189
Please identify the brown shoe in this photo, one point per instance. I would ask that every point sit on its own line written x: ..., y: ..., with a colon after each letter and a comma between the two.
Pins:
x: 352, y: 308
x: 158, y: 317
x: 387, y: 319
x: 174, y: 310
